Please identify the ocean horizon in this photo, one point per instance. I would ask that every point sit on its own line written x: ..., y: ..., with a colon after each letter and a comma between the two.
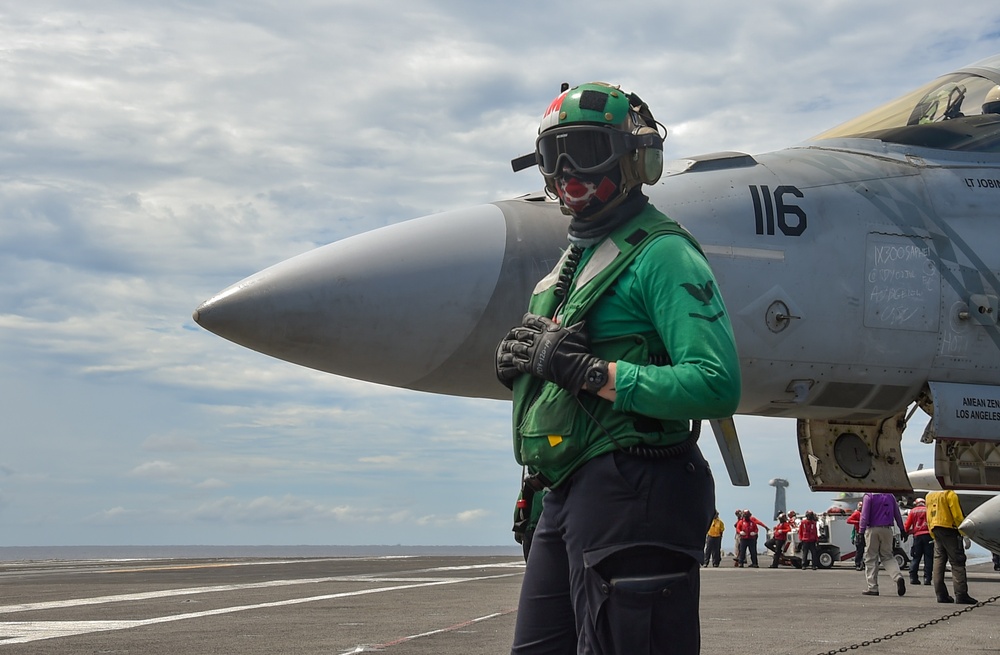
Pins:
x: 106, y: 552
x: 43, y: 553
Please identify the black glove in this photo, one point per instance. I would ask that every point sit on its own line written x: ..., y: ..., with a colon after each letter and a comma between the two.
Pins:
x: 507, y: 370
x: 542, y: 348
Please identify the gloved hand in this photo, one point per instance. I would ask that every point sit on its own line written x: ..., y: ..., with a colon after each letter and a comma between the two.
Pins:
x: 506, y: 369
x: 545, y: 349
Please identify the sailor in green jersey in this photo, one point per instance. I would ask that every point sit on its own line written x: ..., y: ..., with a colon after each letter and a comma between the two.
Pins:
x: 625, y: 346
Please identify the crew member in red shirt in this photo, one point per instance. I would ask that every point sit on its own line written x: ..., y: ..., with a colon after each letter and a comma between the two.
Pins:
x: 780, y: 536
x: 747, y: 528
x: 737, y: 539
x: 923, y: 545
x: 858, y: 539
x: 809, y: 538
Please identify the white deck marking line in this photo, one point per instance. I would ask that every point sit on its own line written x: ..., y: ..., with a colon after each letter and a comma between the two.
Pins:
x: 22, y: 632
x: 190, y: 591
x: 451, y: 628
x: 519, y: 564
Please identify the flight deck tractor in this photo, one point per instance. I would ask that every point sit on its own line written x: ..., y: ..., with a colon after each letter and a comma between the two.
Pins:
x: 835, y: 543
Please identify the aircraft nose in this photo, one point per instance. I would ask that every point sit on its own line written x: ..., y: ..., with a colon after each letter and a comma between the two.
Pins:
x: 387, y: 306
x: 982, y: 525
x: 969, y: 528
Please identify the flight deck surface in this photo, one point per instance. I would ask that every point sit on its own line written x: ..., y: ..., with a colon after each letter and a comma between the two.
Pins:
x: 446, y: 605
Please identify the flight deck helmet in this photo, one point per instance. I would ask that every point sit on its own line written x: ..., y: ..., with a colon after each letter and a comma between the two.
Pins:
x: 597, y: 128
x: 991, y: 103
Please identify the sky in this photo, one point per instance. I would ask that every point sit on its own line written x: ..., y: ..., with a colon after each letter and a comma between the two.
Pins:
x: 152, y: 154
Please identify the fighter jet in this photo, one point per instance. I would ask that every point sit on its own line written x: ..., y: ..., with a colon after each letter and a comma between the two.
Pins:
x: 861, y: 269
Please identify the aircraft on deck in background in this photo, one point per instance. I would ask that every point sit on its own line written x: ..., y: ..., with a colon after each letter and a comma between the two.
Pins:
x: 861, y: 269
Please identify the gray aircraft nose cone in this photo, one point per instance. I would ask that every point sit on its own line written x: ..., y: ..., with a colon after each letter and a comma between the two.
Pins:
x: 387, y: 306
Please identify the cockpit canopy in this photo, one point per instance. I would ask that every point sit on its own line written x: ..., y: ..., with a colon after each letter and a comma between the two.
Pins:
x: 959, y: 111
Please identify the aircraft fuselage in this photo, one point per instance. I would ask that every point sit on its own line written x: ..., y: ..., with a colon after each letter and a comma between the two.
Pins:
x: 861, y: 272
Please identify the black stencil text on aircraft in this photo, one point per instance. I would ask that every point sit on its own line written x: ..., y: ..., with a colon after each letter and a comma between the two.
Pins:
x: 772, y: 210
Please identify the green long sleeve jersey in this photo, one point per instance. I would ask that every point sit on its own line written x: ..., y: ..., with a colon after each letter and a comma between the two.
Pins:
x: 663, y: 321
x: 669, y: 294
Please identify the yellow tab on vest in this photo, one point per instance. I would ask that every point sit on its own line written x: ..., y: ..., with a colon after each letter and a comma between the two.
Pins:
x: 554, y: 440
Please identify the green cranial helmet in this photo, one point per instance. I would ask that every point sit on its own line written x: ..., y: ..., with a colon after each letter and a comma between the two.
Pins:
x: 595, y: 126
x: 594, y: 103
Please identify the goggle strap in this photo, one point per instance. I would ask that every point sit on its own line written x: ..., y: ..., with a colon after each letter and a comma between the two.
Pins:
x: 523, y: 162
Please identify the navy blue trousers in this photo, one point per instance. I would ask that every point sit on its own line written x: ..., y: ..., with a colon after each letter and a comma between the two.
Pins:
x: 922, y: 549
x: 614, y: 562
x: 713, y: 550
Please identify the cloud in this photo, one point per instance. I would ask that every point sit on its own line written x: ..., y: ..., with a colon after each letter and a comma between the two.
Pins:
x: 211, y: 484
x: 156, y: 470
x: 263, y: 509
x: 465, y: 516
x: 472, y: 515
x: 389, y: 461
x: 114, y: 516
x: 152, y: 155
x: 171, y: 443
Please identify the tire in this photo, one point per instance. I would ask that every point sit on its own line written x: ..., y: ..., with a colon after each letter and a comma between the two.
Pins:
x: 900, y: 558
x: 825, y: 559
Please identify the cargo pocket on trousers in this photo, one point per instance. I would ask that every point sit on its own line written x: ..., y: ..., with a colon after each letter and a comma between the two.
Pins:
x: 641, y: 603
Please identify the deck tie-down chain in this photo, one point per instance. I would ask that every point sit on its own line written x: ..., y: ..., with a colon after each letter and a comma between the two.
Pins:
x: 900, y: 633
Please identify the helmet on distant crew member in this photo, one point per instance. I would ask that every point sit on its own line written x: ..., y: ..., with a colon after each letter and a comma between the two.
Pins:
x: 609, y: 141
x: 991, y: 103
x: 920, y: 501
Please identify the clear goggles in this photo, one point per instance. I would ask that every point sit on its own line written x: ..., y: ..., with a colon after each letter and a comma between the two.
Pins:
x: 588, y: 148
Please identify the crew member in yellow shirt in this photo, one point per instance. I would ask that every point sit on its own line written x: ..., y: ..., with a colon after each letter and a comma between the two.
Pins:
x: 944, y: 515
x: 713, y: 542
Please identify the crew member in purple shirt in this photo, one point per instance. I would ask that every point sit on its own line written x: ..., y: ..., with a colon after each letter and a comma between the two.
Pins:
x: 878, y: 512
